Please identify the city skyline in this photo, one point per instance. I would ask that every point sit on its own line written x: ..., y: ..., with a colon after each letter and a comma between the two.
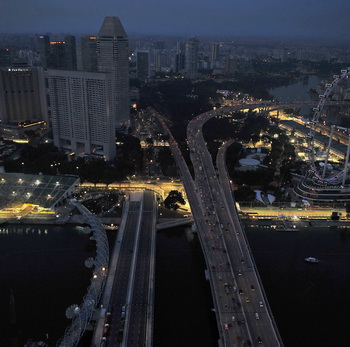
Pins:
x: 321, y: 19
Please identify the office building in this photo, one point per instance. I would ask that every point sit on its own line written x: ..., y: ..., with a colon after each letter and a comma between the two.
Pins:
x: 22, y: 94
x: 60, y: 55
x: 5, y: 57
x: 142, y: 65
x: 70, y: 53
x: 89, y: 53
x: 214, y: 51
x: 191, y: 57
x: 44, y: 48
x: 113, y: 57
x: 82, y: 110
x: 57, y: 55
x: 160, y: 61
x: 179, y: 65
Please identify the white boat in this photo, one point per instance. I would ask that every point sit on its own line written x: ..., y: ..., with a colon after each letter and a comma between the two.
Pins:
x: 311, y: 260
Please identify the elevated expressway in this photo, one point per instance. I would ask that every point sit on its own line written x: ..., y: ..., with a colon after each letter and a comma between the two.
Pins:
x: 241, y: 307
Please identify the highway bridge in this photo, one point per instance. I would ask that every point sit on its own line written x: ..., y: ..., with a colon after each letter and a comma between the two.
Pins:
x: 242, y: 310
x: 126, y: 316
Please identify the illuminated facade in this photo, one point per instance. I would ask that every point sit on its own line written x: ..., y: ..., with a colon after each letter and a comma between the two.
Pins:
x: 113, y: 57
x: 82, y: 112
x: 22, y: 95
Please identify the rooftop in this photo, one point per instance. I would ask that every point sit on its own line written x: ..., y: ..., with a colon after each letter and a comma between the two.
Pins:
x: 45, y: 191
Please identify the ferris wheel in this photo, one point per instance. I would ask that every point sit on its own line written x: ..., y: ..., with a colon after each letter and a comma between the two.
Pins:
x: 338, y: 177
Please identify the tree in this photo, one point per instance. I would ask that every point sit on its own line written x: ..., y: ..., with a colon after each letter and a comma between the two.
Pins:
x: 171, y: 202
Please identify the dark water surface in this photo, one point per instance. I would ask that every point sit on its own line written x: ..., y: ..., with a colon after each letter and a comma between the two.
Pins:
x: 310, y: 302
x: 44, y: 267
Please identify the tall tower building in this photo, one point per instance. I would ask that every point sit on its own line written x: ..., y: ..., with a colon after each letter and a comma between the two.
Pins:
x: 191, y: 57
x: 58, y: 54
x: 89, y: 53
x: 22, y: 94
x: 142, y: 65
x: 82, y: 112
x: 214, y: 51
x: 5, y: 57
x: 113, y: 57
x: 70, y: 53
x: 44, y: 48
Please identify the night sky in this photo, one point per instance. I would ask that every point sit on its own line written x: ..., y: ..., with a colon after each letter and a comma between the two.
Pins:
x: 327, y: 19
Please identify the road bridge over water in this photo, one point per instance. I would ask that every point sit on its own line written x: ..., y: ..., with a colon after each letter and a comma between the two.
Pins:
x: 242, y: 310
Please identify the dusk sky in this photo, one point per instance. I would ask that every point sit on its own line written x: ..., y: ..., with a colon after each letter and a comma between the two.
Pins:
x: 286, y: 18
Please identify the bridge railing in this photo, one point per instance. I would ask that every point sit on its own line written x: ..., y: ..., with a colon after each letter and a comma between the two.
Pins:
x: 83, y: 314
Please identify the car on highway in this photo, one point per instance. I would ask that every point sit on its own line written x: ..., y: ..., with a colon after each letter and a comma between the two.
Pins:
x: 259, y: 340
x: 233, y: 318
x: 247, y: 299
x: 241, y: 292
x: 226, y: 326
x: 252, y: 288
x: 261, y: 304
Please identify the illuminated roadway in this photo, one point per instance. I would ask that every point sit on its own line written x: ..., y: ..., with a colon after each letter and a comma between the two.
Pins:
x: 131, y: 299
x: 243, y: 319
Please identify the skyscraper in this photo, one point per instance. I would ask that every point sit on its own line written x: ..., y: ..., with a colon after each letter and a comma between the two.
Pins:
x: 22, y: 94
x: 82, y: 111
x: 214, y: 52
x: 5, y: 57
x: 44, y: 48
x: 58, y: 54
x: 191, y: 57
x: 89, y: 53
x: 142, y: 65
x: 70, y: 53
x: 113, y: 57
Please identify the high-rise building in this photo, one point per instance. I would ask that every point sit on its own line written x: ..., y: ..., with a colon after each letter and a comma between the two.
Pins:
x: 160, y: 61
x: 214, y: 52
x: 70, y: 53
x: 57, y: 58
x: 191, y: 57
x: 179, y: 62
x: 58, y: 54
x: 142, y: 65
x: 22, y: 94
x: 113, y: 57
x: 82, y: 112
x: 89, y: 53
x: 44, y: 48
x: 230, y: 67
x: 5, y: 57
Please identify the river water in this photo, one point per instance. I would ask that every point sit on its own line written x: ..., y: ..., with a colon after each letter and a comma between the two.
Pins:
x: 310, y: 302
x: 44, y: 267
x: 296, y: 91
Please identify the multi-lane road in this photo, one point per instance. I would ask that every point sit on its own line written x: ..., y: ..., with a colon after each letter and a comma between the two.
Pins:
x: 242, y: 311
x: 242, y: 288
x: 129, y: 319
